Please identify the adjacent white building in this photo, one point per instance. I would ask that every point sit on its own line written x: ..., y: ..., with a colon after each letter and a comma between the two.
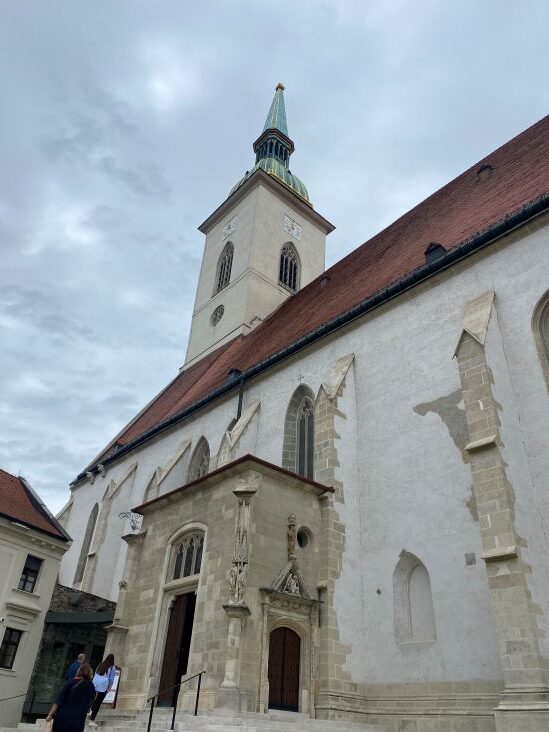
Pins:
x: 410, y: 381
x: 32, y: 543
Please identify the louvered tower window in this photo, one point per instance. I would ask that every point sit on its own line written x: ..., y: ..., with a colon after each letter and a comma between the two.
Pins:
x: 224, y: 267
x: 288, y: 275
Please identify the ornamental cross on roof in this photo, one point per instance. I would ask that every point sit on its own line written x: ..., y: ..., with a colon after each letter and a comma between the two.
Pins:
x: 276, y: 119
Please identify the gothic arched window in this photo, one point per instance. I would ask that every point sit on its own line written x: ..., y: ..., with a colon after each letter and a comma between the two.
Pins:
x: 540, y: 324
x: 414, y: 614
x: 305, y: 438
x: 288, y: 274
x: 188, y: 555
x: 299, y: 433
x: 224, y: 266
x: 200, y: 461
x: 90, y: 528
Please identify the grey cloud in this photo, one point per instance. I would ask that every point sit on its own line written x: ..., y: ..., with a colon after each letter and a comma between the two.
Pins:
x: 149, y: 183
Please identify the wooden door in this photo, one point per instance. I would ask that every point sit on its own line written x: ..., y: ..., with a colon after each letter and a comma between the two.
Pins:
x: 178, y: 642
x: 284, y: 655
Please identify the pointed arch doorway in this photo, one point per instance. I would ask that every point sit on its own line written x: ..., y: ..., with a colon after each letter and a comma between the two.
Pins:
x: 177, y: 648
x: 284, y: 666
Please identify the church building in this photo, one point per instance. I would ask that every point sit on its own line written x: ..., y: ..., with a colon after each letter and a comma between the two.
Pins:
x: 339, y: 507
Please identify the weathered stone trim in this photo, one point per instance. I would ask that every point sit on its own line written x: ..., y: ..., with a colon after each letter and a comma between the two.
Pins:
x: 524, y: 670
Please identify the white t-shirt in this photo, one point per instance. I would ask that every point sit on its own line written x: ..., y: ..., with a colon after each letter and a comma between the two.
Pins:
x: 102, y: 682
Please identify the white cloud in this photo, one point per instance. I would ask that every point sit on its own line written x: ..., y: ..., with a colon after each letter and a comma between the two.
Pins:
x: 170, y: 78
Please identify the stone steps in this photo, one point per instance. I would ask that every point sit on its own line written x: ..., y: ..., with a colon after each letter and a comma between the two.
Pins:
x: 219, y: 721
x: 214, y: 721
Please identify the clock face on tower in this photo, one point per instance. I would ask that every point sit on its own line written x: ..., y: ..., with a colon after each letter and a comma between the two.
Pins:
x: 229, y: 227
x: 292, y: 228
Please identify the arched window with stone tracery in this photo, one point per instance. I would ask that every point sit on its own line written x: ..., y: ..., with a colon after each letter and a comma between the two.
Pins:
x: 200, y: 460
x: 540, y: 325
x: 224, y: 266
x: 289, y: 268
x: 299, y: 433
x: 188, y: 555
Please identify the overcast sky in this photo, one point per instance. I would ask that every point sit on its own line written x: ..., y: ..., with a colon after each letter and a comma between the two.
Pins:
x: 125, y: 124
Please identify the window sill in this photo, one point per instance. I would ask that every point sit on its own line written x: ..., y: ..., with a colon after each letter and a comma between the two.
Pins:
x: 7, y: 671
x: 430, y: 642
x: 25, y: 592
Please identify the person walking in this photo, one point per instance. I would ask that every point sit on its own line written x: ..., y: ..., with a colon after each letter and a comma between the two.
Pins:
x: 75, y: 665
x: 74, y: 700
x: 102, y: 680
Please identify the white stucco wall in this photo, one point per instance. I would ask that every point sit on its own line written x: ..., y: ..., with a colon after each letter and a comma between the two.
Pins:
x: 406, y: 483
x: 24, y: 611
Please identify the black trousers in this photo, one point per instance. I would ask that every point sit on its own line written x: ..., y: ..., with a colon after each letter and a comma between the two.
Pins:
x: 97, y: 703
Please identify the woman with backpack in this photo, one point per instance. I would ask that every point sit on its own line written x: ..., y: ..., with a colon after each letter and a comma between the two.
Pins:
x: 74, y: 700
x: 102, y: 680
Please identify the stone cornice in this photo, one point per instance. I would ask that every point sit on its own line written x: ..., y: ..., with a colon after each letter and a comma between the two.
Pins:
x: 259, y: 177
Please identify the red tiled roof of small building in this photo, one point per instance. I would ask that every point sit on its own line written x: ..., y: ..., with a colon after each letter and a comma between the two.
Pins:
x: 18, y: 504
x: 499, y: 185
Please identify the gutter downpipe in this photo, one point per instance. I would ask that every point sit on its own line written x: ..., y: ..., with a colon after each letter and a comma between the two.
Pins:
x: 461, y: 251
x: 240, y: 397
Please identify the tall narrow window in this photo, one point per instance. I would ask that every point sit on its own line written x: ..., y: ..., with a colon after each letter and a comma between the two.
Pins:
x: 299, y: 433
x: 288, y: 274
x: 224, y: 266
x: 10, y: 644
x: 305, y: 438
x: 200, y: 461
x: 188, y: 556
x: 29, y: 575
x: 90, y: 528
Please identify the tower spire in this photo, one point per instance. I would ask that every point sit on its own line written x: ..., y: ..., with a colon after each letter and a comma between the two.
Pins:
x: 273, y: 148
x: 274, y: 143
x: 276, y: 119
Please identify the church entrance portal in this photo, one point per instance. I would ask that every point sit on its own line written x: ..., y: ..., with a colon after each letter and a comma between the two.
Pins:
x: 284, y: 656
x: 177, y: 647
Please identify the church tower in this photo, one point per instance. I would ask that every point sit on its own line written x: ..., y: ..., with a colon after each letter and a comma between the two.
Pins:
x: 263, y: 243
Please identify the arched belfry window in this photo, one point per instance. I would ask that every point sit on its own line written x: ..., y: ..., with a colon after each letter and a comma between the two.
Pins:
x: 84, y: 551
x: 299, y: 433
x: 200, y: 460
x: 414, y: 614
x: 188, y: 555
x: 540, y: 325
x: 288, y: 274
x: 224, y: 266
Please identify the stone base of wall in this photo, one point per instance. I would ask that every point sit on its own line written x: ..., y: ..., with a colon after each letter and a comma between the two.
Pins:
x: 418, y: 707
x: 522, y: 720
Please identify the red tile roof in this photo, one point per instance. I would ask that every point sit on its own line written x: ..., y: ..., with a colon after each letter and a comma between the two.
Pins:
x: 19, y: 503
x: 515, y: 175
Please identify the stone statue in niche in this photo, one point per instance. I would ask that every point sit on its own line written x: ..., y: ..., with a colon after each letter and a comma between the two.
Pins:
x: 292, y: 536
x: 292, y: 585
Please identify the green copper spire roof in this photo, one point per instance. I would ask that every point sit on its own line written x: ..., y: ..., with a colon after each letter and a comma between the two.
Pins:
x: 273, y: 149
x: 276, y: 119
